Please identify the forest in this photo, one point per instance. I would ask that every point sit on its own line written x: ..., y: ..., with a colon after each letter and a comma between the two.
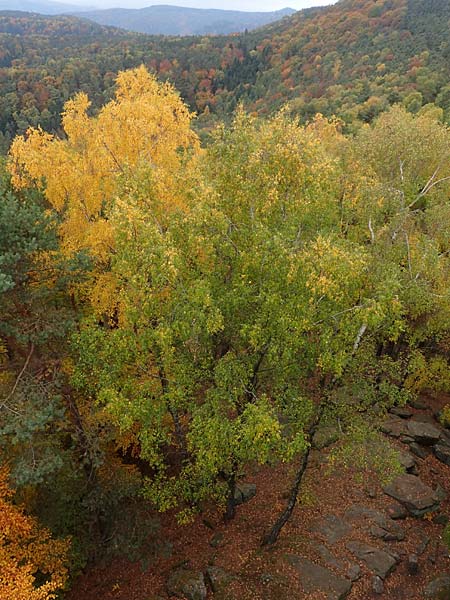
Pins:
x: 172, y: 313
x: 206, y: 283
x: 354, y: 59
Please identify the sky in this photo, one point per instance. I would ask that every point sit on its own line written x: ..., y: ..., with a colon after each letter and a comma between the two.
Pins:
x: 252, y: 5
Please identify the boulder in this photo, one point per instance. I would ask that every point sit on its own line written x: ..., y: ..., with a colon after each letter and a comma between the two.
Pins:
x: 406, y: 460
x: 419, y: 450
x: 440, y: 493
x: 424, y: 418
x: 417, y: 497
x: 396, y: 511
x: 391, y: 534
x: 184, y: 583
x: 441, y: 519
x: 244, y: 492
x: 395, y: 427
x: 377, y: 585
x: 217, y: 578
x: 315, y: 579
x: 381, y: 526
x: 438, y: 588
x: 378, y: 561
x: 331, y: 528
x: 351, y: 571
x: 418, y: 404
x: 401, y: 411
x: 426, y: 434
x: 442, y: 453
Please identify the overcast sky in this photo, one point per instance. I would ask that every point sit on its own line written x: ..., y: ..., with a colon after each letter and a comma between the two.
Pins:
x: 255, y: 5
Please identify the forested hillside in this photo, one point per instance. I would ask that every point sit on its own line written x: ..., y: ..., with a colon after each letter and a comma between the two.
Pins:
x: 178, y: 20
x: 225, y: 351
x: 45, y: 7
x: 173, y: 317
x: 354, y: 59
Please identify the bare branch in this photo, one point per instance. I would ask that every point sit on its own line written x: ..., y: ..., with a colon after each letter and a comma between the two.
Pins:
x: 372, y: 234
x: 358, y: 339
x: 16, y: 383
x: 409, y: 254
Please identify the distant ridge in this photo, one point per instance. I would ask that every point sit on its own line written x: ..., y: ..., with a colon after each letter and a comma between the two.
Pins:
x: 177, y: 20
x: 43, y: 7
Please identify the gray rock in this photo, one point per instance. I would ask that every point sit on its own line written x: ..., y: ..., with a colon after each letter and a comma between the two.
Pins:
x: 401, y: 411
x: 395, y: 427
x: 328, y: 557
x: 418, y: 450
x: 332, y: 528
x: 217, y: 578
x: 417, y: 404
x: 353, y: 572
x: 445, y: 436
x: 426, y: 434
x: 396, y: 511
x: 324, y: 437
x: 406, y: 439
x: 358, y: 512
x: 406, y: 460
x: 377, y: 585
x: 186, y: 583
x: 388, y: 535
x: 438, y: 588
x: 424, y: 418
x: 422, y: 546
x: 381, y: 526
x: 244, y: 492
x: 415, y: 495
x: 440, y: 493
x: 318, y: 580
x: 442, y: 453
x: 378, y: 561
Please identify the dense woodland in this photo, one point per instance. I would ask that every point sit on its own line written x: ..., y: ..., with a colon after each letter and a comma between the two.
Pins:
x: 353, y: 59
x: 172, y: 310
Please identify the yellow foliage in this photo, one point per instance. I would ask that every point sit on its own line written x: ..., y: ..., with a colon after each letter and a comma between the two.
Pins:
x: 145, y: 129
x: 26, y: 548
x: 146, y: 125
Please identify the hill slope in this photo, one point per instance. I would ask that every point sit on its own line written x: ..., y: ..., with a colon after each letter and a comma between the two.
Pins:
x: 44, y: 7
x: 353, y: 59
x: 177, y: 20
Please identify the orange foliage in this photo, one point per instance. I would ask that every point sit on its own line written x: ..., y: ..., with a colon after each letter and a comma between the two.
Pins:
x: 27, y: 549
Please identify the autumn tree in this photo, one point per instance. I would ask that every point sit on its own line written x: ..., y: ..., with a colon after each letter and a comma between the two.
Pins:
x: 146, y: 124
x: 228, y: 309
x: 403, y: 214
x: 33, y: 566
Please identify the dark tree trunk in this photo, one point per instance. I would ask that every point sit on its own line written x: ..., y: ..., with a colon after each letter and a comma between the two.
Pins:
x: 231, y: 506
x: 272, y: 536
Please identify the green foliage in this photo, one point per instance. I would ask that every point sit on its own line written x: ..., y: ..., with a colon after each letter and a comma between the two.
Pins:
x: 364, y: 450
x: 446, y: 535
x: 25, y: 228
x: 444, y: 416
x: 354, y: 59
x: 282, y: 266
